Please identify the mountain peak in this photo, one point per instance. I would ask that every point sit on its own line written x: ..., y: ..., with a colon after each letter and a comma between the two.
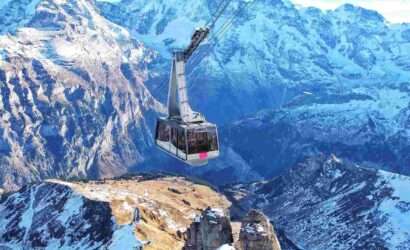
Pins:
x: 359, y: 13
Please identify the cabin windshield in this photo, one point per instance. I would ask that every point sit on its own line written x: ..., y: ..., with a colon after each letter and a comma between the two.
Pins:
x: 202, y: 140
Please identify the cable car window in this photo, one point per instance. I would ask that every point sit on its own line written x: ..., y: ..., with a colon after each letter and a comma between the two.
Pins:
x: 202, y: 140
x: 181, y: 140
x: 213, y: 139
x: 174, y: 136
x: 197, y: 141
x: 163, y: 131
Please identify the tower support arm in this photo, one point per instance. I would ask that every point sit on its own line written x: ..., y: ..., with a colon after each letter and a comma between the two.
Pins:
x: 197, y: 38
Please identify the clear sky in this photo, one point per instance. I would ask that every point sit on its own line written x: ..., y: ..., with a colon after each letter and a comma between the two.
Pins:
x: 395, y: 11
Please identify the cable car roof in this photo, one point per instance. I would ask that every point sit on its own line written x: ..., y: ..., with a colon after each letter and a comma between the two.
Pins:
x: 180, y: 123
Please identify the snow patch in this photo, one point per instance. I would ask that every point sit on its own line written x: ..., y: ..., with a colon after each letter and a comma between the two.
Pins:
x: 226, y: 247
x: 72, y: 207
x: 3, y: 3
x: 216, y: 212
x: 179, y: 30
x: 27, y: 217
x: 31, y: 8
x: 396, y: 209
x: 125, y: 238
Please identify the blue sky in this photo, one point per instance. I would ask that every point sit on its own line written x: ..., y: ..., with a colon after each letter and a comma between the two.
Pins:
x: 395, y: 11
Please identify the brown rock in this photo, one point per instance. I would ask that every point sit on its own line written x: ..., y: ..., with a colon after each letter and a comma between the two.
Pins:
x: 209, y: 231
x: 257, y: 233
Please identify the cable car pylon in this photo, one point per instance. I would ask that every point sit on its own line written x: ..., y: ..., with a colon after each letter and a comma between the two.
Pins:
x: 184, y: 133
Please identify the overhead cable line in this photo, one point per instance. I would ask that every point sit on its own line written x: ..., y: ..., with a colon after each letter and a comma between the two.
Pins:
x: 213, y: 41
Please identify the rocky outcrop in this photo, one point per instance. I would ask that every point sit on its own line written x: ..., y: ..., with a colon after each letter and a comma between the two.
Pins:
x: 212, y: 230
x: 162, y: 206
x: 209, y: 231
x: 257, y: 233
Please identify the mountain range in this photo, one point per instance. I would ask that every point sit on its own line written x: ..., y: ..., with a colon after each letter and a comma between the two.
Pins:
x: 313, y: 111
x: 81, y: 80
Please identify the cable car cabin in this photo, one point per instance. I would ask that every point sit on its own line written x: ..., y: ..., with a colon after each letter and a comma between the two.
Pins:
x: 193, y: 143
x: 185, y: 134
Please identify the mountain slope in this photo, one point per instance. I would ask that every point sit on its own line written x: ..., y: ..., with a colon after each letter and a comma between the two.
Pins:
x: 50, y: 216
x: 371, y: 132
x: 327, y: 203
x: 73, y: 100
x: 101, y: 214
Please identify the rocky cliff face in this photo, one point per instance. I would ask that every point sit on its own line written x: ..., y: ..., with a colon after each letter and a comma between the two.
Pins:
x: 257, y: 233
x: 72, y: 97
x: 213, y: 230
x: 328, y: 203
x: 209, y: 231
x: 51, y: 216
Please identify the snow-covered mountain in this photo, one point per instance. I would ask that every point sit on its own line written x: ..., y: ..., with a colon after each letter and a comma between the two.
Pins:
x: 329, y: 203
x: 274, y: 52
x: 73, y: 100
x: 52, y: 216
x: 339, y: 81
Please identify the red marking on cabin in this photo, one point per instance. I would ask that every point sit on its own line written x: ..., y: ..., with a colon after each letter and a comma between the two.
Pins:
x: 203, y: 155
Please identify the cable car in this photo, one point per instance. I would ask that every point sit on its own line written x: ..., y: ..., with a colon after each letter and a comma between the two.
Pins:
x: 192, y: 143
x: 186, y: 134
